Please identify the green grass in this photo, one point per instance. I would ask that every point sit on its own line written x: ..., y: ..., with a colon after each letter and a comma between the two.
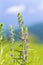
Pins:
x: 35, y: 53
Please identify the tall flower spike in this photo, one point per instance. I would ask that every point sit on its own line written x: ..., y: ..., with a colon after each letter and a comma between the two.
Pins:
x: 26, y: 43
x: 24, y: 37
x: 12, y: 34
x: 12, y: 41
x: 1, y: 26
x: 21, y: 26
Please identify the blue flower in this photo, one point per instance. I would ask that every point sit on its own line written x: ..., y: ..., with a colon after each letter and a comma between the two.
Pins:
x: 11, y: 54
x: 26, y: 40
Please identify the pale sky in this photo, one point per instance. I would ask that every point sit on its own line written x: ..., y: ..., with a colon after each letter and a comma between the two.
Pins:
x: 32, y: 11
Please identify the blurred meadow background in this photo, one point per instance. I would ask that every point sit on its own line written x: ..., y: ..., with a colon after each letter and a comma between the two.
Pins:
x: 32, y: 13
